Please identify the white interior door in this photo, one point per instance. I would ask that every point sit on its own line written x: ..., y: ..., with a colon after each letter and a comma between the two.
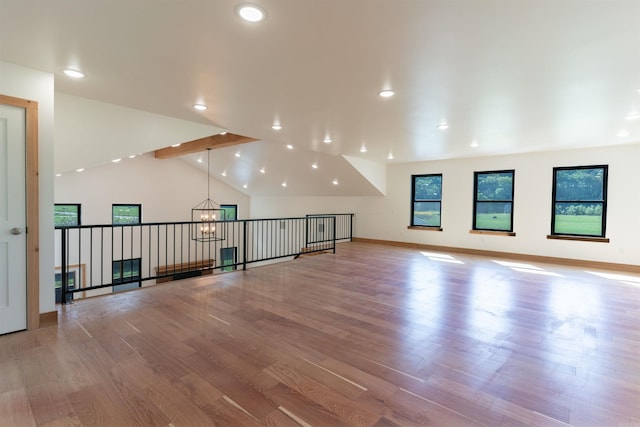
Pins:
x: 13, y: 242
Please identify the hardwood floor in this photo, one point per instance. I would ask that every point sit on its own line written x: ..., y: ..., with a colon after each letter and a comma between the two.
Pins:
x: 371, y: 336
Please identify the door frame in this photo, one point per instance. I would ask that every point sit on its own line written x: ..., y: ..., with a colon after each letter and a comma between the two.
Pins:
x: 33, y: 208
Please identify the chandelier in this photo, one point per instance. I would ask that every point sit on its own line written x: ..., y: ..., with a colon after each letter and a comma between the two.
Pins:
x: 206, y: 215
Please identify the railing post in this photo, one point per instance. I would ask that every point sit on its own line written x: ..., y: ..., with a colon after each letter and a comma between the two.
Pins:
x: 244, y: 246
x: 64, y: 273
x: 335, y: 220
x: 351, y: 227
x: 306, y: 230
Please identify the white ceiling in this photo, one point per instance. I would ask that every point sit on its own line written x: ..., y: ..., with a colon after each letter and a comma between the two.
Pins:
x: 513, y: 75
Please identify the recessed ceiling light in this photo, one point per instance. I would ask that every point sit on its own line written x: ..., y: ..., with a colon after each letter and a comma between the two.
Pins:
x: 387, y: 93
x: 390, y: 156
x: 200, y: 107
x: 284, y: 184
x: 251, y: 13
x: 237, y: 154
x: 223, y: 133
x: 74, y: 73
x: 363, y: 149
x: 276, y: 126
x: 262, y: 170
x: 633, y: 116
x: 115, y: 160
x: 80, y: 170
x: 200, y: 160
x: 622, y: 133
x: 175, y: 145
x: 327, y: 140
x: 245, y: 186
x: 474, y: 144
x: 315, y: 166
x: 443, y: 126
x: 335, y: 182
x: 132, y: 156
x: 289, y: 147
x: 58, y: 174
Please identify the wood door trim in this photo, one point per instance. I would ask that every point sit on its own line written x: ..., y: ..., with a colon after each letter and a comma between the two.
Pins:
x: 33, y: 208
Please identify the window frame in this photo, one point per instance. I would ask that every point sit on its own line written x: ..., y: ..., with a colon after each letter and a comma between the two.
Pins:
x: 138, y: 205
x: 234, y: 259
x: 78, y: 217
x: 511, y: 201
x: 229, y: 206
x: 603, y: 202
x: 120, y: 282
x: 412, y: 222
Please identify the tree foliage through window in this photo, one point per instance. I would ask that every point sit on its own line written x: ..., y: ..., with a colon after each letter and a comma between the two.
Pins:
x: 426, y: 200
x: 579, y: 203
x: 493, y: 201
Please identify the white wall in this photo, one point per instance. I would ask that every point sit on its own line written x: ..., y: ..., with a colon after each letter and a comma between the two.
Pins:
x: 387, y: 217
x: 167, y: 190
x: 38, y: 86
x: 90, y: 133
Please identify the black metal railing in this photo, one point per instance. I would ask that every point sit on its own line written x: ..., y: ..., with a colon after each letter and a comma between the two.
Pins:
x: 95, y: 259
x: 344, y: 226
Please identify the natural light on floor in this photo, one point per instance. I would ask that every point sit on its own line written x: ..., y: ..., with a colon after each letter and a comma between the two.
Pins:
x: 433, y: 256
x: 526, y: 268
x: 624, y: 278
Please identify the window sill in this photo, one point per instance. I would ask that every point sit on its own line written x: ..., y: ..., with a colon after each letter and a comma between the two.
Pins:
x: 493, y: 233
x: 579, y: 238
x: 424, y: 228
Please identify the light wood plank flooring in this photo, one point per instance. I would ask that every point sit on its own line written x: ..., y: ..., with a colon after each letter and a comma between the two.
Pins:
x: 373, y: 335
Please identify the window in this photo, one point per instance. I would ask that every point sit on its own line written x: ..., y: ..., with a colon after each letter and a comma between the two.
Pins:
x: 426, y: 200
x: 126, y: 214
x: 579, y: 201
x: 230, y: 212
x: 71, y: 284
x: 493, y: 200
x: 66, y: 214
x: 126, y: 270
x: 228, y: 257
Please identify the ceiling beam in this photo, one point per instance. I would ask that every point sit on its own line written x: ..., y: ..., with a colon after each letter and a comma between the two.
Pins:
x: 202, y: 144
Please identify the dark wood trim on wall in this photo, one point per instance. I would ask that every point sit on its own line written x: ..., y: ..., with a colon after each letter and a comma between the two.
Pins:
x: 33, y: 208
x: 630, y: 268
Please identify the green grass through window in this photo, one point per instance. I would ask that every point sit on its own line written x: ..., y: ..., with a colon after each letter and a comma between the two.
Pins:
x: 588, y: 225
x: 493, y: 221
x: 427, y: 218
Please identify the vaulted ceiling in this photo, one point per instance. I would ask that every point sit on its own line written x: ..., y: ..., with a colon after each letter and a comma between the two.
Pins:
x: 505, y: 76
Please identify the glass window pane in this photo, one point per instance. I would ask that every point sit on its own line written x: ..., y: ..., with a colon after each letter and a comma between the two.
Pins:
x: 495, y: 186
x: 126, y: 269
x: 426, y: 214
x: 230, y: 212
x: 493, y: 216
x: 580, y: 184
x: 66, y: 215
x: 579, y: 205
x: 428, y: 187
x: 126, y: 214
x: 578, y: 219
x: 426, y: 200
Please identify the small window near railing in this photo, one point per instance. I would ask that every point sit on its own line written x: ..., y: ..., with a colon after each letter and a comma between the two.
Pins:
x: 66, y: 214
x: 126, y: 214
x: 426, y: 200
x: 126, y: 270
x: 230, y: 212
